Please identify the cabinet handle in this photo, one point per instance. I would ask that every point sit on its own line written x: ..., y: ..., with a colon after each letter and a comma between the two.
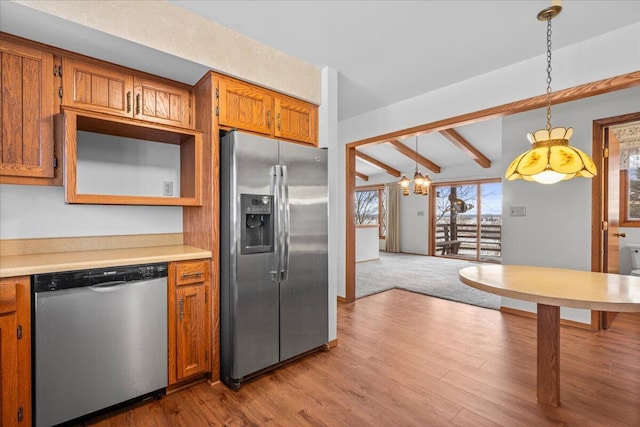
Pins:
x: 181, y: 308
x: 269, y: 119
x: 129, y: 102
x: 137, y: 104
x: 196, y: 274
x: 620, y: 234
x: 279, y: 121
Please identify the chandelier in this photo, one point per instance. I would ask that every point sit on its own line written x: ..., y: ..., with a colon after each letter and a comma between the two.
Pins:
x: 421, y: 183
x: 550, y: 158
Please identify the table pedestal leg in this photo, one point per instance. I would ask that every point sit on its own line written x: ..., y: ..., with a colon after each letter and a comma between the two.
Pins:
x: 549, y: 354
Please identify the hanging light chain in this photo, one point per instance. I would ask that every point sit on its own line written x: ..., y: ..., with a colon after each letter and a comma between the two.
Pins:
x: 416, y: 153
x: 549, y: 16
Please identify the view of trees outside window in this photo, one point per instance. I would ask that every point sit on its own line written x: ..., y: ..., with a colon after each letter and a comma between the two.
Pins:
x: 371, y: 208
x: 633, y: 196
x: 469, y: 221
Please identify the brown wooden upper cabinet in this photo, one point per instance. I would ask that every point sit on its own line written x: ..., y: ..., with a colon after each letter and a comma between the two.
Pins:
x: 296, y: 120
x: 244, y: 106
x: 27, y: 110
x: 110, y: 90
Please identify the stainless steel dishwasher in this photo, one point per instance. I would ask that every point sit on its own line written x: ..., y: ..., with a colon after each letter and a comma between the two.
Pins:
x: 100, y: 339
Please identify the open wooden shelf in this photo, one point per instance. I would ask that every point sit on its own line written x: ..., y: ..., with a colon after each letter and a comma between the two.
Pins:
x: 190, y: 141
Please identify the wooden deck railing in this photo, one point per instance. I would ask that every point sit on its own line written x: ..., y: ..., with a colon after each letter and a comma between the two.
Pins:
x: 465, y: 238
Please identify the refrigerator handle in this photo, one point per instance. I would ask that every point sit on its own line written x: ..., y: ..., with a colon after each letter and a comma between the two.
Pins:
x: 275, y: 190
x: 286, y: 225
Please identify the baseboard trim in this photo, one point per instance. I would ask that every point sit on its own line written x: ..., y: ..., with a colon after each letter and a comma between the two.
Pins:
x: 333, y: 343
x: 565, y: 322
x: 342, y: 299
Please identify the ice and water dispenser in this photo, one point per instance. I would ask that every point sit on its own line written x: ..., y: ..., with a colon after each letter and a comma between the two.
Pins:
x: 257, y: 223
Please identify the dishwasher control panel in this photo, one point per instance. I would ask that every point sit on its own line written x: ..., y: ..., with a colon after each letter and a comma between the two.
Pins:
x: 48, y: 282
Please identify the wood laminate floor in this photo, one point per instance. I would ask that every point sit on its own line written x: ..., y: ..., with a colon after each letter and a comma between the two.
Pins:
x: 405, y: 359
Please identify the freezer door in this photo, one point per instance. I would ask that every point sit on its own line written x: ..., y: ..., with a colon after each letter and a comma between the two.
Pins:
x: 252, y: 319
x: 304, y: 295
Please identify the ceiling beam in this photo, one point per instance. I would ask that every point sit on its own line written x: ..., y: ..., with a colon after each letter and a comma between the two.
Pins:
x: 388, y: 169
x: 362, y: 176
x: 471, y: 151
x: 410, y: 153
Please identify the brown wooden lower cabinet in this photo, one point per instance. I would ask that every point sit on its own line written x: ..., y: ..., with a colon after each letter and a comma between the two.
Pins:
x: 15, y: 351
x: 189, y: 319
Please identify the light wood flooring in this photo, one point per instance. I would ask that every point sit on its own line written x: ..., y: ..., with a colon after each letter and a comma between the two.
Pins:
x: 405, y: 359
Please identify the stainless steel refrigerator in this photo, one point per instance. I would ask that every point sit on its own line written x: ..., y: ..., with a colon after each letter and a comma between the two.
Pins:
x: 273, y: 253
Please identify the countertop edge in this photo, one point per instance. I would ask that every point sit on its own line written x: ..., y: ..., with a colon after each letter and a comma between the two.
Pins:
x: 26, y: 265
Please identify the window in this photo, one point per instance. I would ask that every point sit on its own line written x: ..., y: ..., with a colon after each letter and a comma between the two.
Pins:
x: 371, y: 207
x: 630, y: 193
x: 468, y: 220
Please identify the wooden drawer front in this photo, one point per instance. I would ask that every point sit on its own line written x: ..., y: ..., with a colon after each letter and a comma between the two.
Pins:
x: 7, y: 296
x: 296, y: 120
x: 161, y: 103
x: 192, y: 272
x: 96, y: 88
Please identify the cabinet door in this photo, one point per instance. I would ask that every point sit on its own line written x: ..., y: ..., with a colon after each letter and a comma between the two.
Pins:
x: 162, y: 103
x: 15, y: 352
x: 96, y: 88
x: 244, y: 106
x: 192, y: 335
x: 26, y: 117
x: 296, y: 120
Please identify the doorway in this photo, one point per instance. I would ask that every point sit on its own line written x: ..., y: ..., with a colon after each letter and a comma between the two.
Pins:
x: 467, y: 220
x: 609, y: 198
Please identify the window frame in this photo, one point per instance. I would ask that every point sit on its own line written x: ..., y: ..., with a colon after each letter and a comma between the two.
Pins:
x: 381, y: 191
x: 624, y: 221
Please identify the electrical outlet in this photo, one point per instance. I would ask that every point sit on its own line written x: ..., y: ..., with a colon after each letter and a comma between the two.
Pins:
x: 167, y: 188
x: 517, y: 211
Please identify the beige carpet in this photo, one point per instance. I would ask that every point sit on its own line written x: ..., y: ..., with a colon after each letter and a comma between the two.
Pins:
x: 427, y: 275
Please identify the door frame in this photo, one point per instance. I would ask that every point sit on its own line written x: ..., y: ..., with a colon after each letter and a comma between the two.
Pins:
x: 600, y: 203
x: 612, y: 84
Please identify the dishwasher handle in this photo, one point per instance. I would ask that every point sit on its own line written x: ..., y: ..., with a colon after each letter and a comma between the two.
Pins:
x: 108, y: 286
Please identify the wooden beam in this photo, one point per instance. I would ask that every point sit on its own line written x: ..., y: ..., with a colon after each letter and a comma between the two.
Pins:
x: 388, y: 169
x: 586, y: 90
x: 460, y: 142
x: 350, y: 226
x: 362, y: 176
x: 410, y: 153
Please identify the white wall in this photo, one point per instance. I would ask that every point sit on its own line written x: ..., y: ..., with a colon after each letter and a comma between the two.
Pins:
x: 414, y: 224
x: 618, y: 52
x: 29, y: 211
x: 367, y: 245
x: 556, y: 231
x: 328, y: 138
x: 108, y: 164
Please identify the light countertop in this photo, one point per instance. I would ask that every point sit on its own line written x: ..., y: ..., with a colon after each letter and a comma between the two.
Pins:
x: 24, y: 265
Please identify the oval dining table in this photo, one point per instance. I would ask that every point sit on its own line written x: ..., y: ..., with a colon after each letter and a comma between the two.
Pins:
x: 550, y: 289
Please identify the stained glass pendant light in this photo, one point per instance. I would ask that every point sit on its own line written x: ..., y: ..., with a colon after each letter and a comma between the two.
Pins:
x: 550, y: 158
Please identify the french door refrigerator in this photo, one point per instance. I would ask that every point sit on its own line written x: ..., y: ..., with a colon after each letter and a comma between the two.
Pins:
x: 273, y: 254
